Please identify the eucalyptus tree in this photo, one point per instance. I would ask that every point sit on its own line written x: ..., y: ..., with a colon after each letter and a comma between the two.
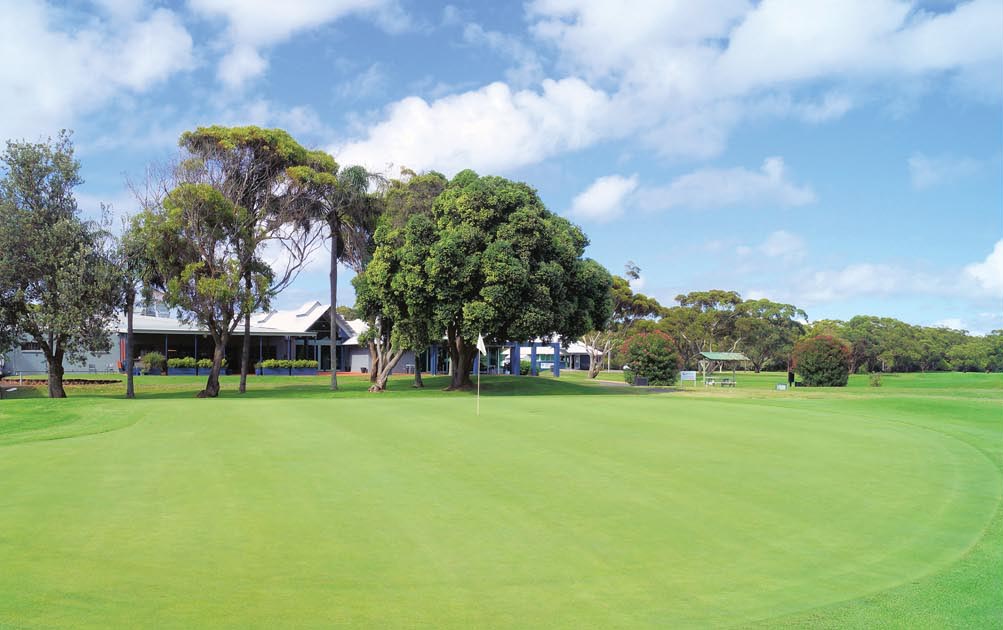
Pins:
x: 341, y: 202
x: 195, y: 240
x: 703, y: 321
x: 248, y: 166
x: 58, y: 281
x: 768, y: 331
x: 628, y: 307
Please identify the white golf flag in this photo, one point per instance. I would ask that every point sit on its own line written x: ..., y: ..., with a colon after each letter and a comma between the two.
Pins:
x: 480, y: 345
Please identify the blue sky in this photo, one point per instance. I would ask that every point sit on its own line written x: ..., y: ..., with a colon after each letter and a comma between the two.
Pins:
x: 846, y: 157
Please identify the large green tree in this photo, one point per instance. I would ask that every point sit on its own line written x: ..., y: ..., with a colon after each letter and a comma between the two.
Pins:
x: 767, y: 331
x: 195, y: 238
x: 58, y: 282
x: 394, y: 293
x: 703, y: 321
x: 504, y: 266
x: 248, y: 167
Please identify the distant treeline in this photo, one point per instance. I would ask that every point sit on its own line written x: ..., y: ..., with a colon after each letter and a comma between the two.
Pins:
x: 766, y: 332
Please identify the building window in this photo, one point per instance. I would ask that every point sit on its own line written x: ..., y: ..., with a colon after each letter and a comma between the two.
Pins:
x: 30, y: 346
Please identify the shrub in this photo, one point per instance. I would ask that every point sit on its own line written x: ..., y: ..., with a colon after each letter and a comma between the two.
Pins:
x: 275, y: 364
x: 182, y: 362
x: 154, y: 362
x: 875, y: 379
x: 822, y: 361
x: 524, y: 367
x: 653, y: 356
x: 285, y: 364
x: 206, y: 364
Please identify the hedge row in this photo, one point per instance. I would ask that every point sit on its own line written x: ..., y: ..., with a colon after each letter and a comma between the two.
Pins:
x: 190, y: 363
x: 285, y: 364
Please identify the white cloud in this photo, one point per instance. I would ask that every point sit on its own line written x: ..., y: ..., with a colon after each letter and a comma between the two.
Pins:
x: 868, y: 279
x: 242, y: 63
x: 73, y: 69
x: 527, y: 69
x: 680, y: 76
x: 370, y: 82
x: 988, y: 274
x: 608, y: 197
x: 253, y: 25
x: 491, y: 129
x: 782, y: 244
x: 927, y: 172
x: 856, y: 39
x: 712, y: 188
x: 604, y: 199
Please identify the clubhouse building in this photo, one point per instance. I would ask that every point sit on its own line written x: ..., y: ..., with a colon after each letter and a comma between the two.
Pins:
x: 301, y: 333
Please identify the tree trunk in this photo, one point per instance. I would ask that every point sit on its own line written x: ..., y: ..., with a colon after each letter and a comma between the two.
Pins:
x: 55, y: 361
x: 374, y: 362
x: 462, y: 356
x: 245, y: 350
x: 388, y: 361
x: 595, y: 364
x: 333, y: 279
x: 417, y: 376
x: 212, y: 384
x: 130, y: 361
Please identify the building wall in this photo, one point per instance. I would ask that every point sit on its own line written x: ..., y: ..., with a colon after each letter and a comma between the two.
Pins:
x: 402, y: 366
x: 33, y: 361
x: 358, y: 358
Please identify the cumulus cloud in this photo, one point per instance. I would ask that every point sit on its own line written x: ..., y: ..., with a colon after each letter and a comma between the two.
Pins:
x: 713, y: 188
x: 527, y: 68
x: 608, y: 197
x: 784, y: 245
x: 927, y: 172
x: 253, y: 25
x: 856, y: 39
x: 78, y: 68
x: 491, y: 129
x: 869, y: 279
x: 987, y: 275
x: 604, y: 199
x: 680, y: 76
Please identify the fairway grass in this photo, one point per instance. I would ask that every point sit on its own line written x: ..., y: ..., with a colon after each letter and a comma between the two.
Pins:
x: 564, y: 504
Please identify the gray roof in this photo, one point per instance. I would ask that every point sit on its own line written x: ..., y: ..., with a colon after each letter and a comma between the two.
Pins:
x: 724, y: 356
x: 170, y: 325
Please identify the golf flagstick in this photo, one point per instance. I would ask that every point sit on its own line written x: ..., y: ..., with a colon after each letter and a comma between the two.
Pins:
x: 481, y: 350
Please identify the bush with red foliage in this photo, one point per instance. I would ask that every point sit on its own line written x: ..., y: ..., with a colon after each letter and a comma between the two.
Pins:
x: 822, y: 361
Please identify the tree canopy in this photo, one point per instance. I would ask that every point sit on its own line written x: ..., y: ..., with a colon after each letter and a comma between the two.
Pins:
x: 195, y: 239
x: 58, y: 282
x: 249, y: 167
x: 500, y: 264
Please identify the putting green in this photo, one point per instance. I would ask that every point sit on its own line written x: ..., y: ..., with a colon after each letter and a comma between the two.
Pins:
x: 556, y: 511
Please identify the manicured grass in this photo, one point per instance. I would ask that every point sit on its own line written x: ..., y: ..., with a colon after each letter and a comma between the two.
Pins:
x: 565, y: 504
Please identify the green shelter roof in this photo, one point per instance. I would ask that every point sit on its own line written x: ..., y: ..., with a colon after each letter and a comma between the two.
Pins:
x: 724, y: 356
